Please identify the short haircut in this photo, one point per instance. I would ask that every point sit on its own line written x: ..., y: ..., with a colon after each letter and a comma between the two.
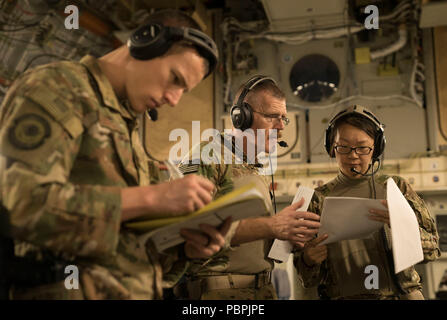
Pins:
x: 176, y: 18
x: 265, y: 86
x: 173, y: 18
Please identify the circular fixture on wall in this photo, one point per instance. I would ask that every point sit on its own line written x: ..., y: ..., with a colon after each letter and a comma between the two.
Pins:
x: 314, y: 78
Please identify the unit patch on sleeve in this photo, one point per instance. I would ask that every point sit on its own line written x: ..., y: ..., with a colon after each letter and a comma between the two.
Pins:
x: 29, y: 131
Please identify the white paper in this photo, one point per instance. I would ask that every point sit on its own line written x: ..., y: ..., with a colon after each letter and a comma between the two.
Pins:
x: 346, y: 218
x: 281, y: 249
x: 405, y: 234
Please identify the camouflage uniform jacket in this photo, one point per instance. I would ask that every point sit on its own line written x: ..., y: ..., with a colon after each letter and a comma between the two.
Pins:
x: 247, y: 258
x: 67, y: 147
x: 342, y: 275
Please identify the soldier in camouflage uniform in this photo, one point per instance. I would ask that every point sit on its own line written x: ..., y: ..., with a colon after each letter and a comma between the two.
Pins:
x: 244, y: 271
x: 72, y: 169
x: 339, y: 268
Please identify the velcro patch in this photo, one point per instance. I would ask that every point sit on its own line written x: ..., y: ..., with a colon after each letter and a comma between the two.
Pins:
x: 29, y: 131
x: 188, y: 168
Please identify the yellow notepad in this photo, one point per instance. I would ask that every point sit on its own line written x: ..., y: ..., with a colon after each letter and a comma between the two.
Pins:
x: 244, y: 202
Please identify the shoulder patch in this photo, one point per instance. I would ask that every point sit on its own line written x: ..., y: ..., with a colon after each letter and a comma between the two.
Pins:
x: 29, y: 131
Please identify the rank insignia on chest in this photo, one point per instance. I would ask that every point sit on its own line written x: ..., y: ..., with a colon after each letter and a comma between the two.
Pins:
x: 188, y: 168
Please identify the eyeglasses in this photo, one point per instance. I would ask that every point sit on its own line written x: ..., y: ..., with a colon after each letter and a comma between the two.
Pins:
x: 270, y: 117
x: 358, y: 150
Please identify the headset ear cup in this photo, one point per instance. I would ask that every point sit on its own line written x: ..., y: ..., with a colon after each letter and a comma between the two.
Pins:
x: 242, y: 117
x: 149, y: 41
x: 331, y: 151
x: 379, y: 145
x: 248, y: 115
x: 237, y: 116
x: 328, y: 143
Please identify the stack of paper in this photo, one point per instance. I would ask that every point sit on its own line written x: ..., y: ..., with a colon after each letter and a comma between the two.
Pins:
x: 345, y: 218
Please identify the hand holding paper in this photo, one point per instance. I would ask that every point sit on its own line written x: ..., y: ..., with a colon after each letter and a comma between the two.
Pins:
x: 282, y: 249
x: 345, y: 218
x: 314, y: 252
x: 380, y: 215
x: 294, y: 225
x: 206, y: 242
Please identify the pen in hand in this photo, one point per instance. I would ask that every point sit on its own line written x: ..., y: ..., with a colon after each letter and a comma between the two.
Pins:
x: 174, y: 171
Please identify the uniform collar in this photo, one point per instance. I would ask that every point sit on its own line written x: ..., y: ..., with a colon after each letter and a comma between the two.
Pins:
x: 230, y: 143
x: 105, y: 88
x: 344, y: 179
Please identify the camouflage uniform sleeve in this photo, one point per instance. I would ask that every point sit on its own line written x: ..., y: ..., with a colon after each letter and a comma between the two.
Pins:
x: 174, y: 264
x: 40, y: 135
x: 427, y: 226
x: 221, y: 175
x: 218, y: 173
x: 309, y: 276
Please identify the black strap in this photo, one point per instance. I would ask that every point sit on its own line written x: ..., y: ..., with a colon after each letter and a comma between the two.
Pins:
x: 390, y: 259
x: 24, y: 271
x: 6, y: 252
x: 27, y: 272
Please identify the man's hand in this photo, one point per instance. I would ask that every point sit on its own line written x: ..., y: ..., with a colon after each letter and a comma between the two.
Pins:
x: 167, y: 199
x: 313, y: 253
x: 380, y: 215
x: 295, y: 226
x: 201, y: 245
x: 183, y: 195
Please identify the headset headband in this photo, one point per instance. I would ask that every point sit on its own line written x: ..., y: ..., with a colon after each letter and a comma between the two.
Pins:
x: 358, y: 109
x: 250, y: 84
x: 154, y: 39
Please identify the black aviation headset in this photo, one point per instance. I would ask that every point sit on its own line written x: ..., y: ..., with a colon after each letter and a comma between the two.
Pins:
x: 379, y: 141
x: 154, y: 39
x: 242, y: 113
